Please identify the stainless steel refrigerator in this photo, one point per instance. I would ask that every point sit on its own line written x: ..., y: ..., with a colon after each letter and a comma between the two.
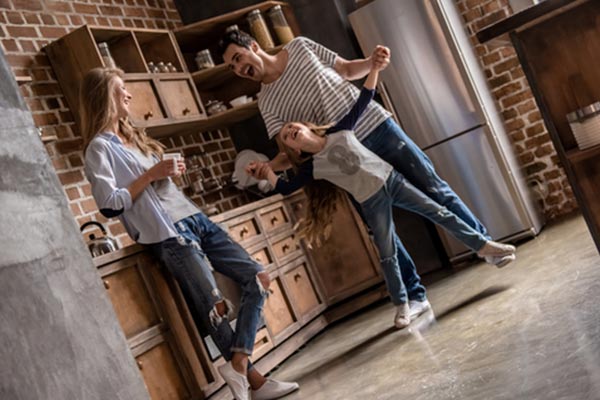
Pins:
x: 437, y: 92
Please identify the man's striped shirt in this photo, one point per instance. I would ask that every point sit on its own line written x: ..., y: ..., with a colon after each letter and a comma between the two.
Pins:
x: 310, y: 90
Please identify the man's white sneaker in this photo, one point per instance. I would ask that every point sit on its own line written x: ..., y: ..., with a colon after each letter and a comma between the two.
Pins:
x: 402, y: 317
x: 495, y: 249
x: 273, y: 389
x: 418, y: 307
x: 238, y: 383
x: 500, y: 261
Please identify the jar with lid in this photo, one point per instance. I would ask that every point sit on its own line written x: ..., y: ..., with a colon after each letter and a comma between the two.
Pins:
x: 204, y: 59
x: 232, y: 28
x: 258, y: 28
x: 280, y: 25
x: 105, y: 54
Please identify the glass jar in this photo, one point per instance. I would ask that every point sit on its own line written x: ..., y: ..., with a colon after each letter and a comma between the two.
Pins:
x: 232, y: 28
x: 258, y: 28
x: 204, y: 59
x: 280, y: 25
x: 105, y: 54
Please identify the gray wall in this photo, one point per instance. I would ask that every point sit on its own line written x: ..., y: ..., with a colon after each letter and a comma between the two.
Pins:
x: 59, y: 336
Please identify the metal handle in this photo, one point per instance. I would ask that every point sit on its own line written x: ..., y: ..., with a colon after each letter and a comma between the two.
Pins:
x: 244, y: 232
x: 140, y: 364
x: 186, y: 111
x: 271, y: 291
x: 258, y: 259
x: 148, y: 115
x: 106, y: 285
x: 297, y: 277
x: 285, y: 247
x: 274, y: 220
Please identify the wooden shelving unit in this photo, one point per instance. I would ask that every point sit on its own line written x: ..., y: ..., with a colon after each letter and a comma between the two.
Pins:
x: 576, y: 156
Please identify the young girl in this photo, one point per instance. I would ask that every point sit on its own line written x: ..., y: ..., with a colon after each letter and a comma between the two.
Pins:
x: 130, y: 181
x: 332, y: 155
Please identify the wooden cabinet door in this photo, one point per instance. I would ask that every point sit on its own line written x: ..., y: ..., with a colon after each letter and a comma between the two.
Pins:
x: 145, y: 108
x: 160, y: 370
x: 301, y: 289
x: 277, y: 310
x: 179, y: 98
x: 348, y: 261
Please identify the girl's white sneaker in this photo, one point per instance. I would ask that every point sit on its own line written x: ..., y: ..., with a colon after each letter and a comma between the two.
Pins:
x: 402, y: 317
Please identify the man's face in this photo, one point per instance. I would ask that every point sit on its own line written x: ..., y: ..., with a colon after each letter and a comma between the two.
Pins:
x: 245, y: 62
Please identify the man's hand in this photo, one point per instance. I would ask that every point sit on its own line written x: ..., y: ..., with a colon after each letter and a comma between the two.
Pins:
x: 380, y: 58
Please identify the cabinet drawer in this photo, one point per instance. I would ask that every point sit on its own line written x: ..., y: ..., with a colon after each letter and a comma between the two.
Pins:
x: 179, y: 98
x: 277, y: 310
x: 286, y: 248
x: 244, y: 230
x: 301, y: 289
x: 262, y: 255
x: 273, y: 219
x: 130, y: 297
x: 262, y: 344
x: 145, y: 107
x: 161, y: 372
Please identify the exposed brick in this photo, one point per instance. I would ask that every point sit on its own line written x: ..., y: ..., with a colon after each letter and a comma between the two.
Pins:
x: 535, y: 130
x: 62, y: 20
x: 88, y: 206
x: 43, y: 119
x: 70, y: 177
x: 53, y: 32
x: 59, y: 163
x: 15, y: 18
x: 75, y: 210
x: 544, y: 151
x: 76, y: 20
x: 48, y: 19
x: 22, y: 31
x: 73, y: 193
x: 535, y: 167
x: 75, y: 160
x: 59, y: 6
x: 32, y: 19
x: 110, y: 10
x: 29, y: 5
x: 506, y: 66
x: 10, y: 45
x: 28, y: 46
x: 81, y: 8
x: 69, y: 146
x: 526, y: 107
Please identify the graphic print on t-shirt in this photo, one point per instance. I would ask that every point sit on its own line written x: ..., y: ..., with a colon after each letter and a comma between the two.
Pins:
x: 346, y: 160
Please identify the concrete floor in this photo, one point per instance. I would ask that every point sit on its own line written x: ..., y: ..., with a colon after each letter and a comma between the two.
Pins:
x: 528, y: 331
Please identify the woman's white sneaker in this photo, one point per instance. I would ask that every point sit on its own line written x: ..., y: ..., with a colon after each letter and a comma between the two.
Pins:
x: 500, y: 261
x: 418, y: 307
x: 238, y: 383
x: 495, y: 249
x: 273, y: 389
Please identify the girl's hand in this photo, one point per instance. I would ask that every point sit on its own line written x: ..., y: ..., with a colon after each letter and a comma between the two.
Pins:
x: 251, y: 168
x: 380, y: 58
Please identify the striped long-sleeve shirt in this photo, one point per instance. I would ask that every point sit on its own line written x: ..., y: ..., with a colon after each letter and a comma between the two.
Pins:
x: 310, y: 90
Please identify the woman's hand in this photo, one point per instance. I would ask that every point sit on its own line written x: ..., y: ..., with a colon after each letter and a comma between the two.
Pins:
x: 258, y: 170
x: 164, y: 169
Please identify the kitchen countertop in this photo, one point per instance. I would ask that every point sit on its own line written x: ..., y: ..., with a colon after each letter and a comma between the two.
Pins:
x: 497, y: 33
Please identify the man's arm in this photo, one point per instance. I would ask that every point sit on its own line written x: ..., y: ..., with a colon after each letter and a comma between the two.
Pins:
x: 356, y: 69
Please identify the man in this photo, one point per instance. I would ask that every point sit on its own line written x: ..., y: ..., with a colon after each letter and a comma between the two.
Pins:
x: 308, y: 82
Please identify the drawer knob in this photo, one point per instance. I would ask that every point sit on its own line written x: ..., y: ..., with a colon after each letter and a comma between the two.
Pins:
x: 285, y: 248
x: 271, y: 291
x: 297, y: 277
x: 186, y: 111
x: 258, y: 259
x: 274, y: 220
x: 244, y: 232
x: 106, y: 285
x: 140, y: 365
x: 148, y: 115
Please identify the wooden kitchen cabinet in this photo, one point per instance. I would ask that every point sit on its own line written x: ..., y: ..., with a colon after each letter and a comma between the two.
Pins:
x: 154, y: 327
x: 348, y: 261
x: 219, y: 82
x: 164, y: 103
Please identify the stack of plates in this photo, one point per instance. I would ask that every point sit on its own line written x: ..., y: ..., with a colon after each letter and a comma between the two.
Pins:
x: 585, y: 124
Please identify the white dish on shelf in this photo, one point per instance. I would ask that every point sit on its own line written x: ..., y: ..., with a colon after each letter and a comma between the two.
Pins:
x: 239, y: 101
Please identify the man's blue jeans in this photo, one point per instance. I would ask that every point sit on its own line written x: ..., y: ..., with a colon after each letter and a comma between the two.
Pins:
x: 377, y: 210
x: 189, y: 258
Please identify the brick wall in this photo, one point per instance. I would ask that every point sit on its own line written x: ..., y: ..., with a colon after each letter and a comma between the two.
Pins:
x: 26, y: 26
x: 522, y: 117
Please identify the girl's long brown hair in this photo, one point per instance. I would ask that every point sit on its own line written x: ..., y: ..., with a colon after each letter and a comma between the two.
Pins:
x: 323, y: 197
x: 98, y: 109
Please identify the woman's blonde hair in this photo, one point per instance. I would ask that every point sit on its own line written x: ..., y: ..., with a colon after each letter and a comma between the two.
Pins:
x: 98, y: 109
x: 323, y: 196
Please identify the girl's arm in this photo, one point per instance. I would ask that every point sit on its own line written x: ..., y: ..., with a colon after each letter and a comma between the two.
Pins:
x: 264, y: 171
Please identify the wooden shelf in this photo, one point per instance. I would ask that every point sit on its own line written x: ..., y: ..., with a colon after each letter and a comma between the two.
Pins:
x: 21, y: 80
x: 577, y: 156
x: 209, y: 78
x: 188, y: 35
x: 213, y: 122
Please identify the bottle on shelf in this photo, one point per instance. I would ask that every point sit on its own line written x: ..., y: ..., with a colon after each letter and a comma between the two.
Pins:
x: 258, y: 29
x: 204, y: 59
x: 162, y: 67
x: 109, y: 62
x: 283, y: 31
x: 232, y: 28
x: 171, y: 67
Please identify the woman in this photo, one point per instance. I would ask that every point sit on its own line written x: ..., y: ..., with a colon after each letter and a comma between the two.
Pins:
x: 129, y: 181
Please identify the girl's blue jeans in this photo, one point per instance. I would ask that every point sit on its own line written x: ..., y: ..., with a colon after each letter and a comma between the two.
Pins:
x: 392, y: 144
x: 397, y: 192
x: 201, y: 246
